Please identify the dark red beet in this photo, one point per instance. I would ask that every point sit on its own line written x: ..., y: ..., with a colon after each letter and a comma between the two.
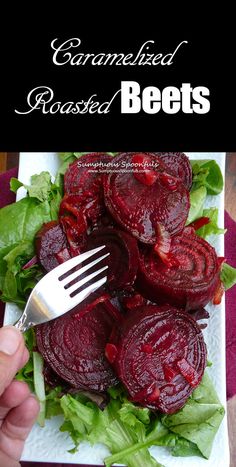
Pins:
x: 72, y: 215
x: 200, y: 314
x: 160, y: 356
x: 133, y: 301
x: 83, y: 209
x: 83, y: 204
x: 140, y: 203
x: 52, y: 379
x: 74, y: 346
x: 178, y: 165
x: 219, y: 292
x: 123, y: 260
x: 190, y: 283
x: 105, y: 220
x: 83, y: 175
x: 78, y: 214
x: 51, y: 245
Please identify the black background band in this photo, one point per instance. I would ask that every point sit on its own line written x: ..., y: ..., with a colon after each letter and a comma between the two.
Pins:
x: 207, y: 60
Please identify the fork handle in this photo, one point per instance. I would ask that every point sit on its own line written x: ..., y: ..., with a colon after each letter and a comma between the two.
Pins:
x: 22, y: 324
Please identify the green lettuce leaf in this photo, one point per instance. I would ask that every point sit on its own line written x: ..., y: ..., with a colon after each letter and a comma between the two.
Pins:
x: 19, y: 223
x: 129, y: 430
x: 32, y: 374
x: 41, y: 188
x: 184, y: 448
x: 55, y: 201
x: 53, y: 402
x: 211, y: 228
x: 228, y: 276
x: 67, y: 158
x: 123, y: 440
x: 132, y: 415
x: 16, y: 283
x: 190, y: 431
x: 198, y: 421
x: 197, y: 200
x: 39, y: 386
x: 26, y: 373
x: 80, y: 418
x: 207, y: 173
x: 85, y: 421
x: 79, y: 414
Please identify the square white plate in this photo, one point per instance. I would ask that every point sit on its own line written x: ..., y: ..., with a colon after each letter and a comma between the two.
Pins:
x: 48, y: 444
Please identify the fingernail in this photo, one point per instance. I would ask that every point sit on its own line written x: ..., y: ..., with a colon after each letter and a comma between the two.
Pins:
x: 10, y: 339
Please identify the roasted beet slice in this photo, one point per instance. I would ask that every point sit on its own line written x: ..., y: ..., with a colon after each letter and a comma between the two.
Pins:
x: 74, y: 346
x: 139, y: 198
x: 79, y: 214
x: 83, y: 204
x: 73, y: 218
x: 199, y: 314
x: 191, y: 282
x: 85, y: 174
x: 52, y: 378
x: 84, y: 209
x: 159, y: 355
x: 51, y: 246
x: 123, y: 260
x: 178, y: 165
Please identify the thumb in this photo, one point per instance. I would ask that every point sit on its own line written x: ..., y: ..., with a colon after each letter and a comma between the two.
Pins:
x: 11, y: 353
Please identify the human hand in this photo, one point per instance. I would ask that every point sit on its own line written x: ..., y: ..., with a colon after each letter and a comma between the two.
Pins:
x: 18, y: 408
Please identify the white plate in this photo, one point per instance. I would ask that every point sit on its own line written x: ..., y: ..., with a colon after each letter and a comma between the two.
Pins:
x: 48, y: 444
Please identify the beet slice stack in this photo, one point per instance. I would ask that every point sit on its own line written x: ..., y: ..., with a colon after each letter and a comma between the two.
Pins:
x: 159, y: 355
x: 191, y: 282
x: 137, y: 205
x: 140, y: 198
x: 74, y: 346
x: 83, y: 203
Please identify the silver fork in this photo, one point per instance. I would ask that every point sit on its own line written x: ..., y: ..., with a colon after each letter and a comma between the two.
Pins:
x: 51, y: 297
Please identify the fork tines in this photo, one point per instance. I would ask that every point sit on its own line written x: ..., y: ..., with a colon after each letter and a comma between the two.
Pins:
x: 69, y: 278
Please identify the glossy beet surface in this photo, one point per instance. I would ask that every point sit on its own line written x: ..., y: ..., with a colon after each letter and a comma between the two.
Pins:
x: 178, y: 165
x: 191, y: 283
x: 140, y: 200
x: 74, y: 346
x: 159, y: 355
x: 123, y: 261
x: 85, y: 174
